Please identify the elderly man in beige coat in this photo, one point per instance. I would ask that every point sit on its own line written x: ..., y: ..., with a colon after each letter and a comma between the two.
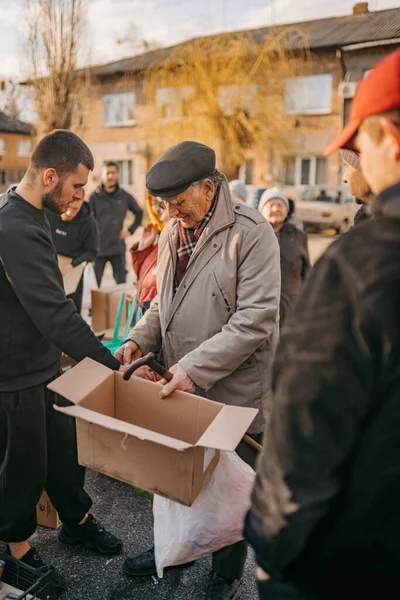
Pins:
x: 216, y: 314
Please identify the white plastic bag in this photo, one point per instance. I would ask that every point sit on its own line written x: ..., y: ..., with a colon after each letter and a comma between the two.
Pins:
x: 89, y: 284
x: 215, y: 520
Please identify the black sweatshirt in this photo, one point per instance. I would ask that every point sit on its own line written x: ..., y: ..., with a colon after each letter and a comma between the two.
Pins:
x: 109, y: 210
x: 78, y: 239
x: 37, y: 321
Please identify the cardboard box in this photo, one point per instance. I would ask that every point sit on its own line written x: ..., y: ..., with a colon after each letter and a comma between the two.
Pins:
x: 46, y: 514
x: 169, y: 447
x: 105, y: 304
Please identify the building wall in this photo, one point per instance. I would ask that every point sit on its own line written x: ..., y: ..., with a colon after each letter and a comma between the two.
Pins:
x: 307, y: 139
x: 11, y: 164
x: 119, y: 143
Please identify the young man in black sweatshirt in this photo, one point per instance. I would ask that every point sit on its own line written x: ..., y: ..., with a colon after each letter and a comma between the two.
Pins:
x: 37, y: 323
x: 110, y: 204
x: 75, y: 235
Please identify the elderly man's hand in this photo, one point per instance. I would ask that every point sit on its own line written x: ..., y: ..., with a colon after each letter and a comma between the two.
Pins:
x: 129, y: 352
x: 179, y: 381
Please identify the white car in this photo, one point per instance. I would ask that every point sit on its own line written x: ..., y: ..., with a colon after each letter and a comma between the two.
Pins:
x: 321, y: 207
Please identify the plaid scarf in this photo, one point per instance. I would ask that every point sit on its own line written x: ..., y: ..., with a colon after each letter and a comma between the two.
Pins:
x: 187, y: 240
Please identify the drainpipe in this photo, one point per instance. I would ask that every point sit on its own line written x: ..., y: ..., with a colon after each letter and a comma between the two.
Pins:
x: 340, y: 57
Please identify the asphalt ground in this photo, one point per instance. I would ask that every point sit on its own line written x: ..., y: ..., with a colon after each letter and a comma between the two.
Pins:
x: 128, y: 515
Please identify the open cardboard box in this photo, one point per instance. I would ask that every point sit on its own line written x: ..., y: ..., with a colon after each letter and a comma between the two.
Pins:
x: 169, y: 447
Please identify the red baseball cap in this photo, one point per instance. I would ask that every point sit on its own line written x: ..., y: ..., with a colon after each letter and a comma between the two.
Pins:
x: 379, y: 92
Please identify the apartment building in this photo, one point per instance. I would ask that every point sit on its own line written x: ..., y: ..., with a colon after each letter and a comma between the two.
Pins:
x: 343, y: 50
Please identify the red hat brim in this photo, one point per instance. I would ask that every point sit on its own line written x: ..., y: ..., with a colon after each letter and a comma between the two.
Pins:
x: 344, y: 139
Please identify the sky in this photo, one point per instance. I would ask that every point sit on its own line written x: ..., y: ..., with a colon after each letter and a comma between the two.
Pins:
x: 168, y: 22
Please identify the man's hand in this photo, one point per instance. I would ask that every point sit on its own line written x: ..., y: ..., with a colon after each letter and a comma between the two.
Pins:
x: 124, y: 234
x: 180, y: 381
x: 128, y: 353
x: 148, y: 236
x: 146, y: 373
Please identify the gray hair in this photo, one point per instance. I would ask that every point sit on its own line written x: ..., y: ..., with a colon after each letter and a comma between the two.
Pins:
x: 215, y: 177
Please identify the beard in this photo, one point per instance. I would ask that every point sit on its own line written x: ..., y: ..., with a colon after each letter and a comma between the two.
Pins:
x: 52, y: 200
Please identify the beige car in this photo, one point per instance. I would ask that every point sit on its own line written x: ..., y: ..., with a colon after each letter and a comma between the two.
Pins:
x: 321, y: 207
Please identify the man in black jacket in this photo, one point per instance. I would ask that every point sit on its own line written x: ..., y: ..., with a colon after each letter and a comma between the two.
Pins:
x: 75, y: 235
x: 110, y: 204
x: 37, y: 322
x: 325, y: 517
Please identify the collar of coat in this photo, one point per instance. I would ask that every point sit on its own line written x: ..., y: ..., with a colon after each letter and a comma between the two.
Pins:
x: 387, y: 204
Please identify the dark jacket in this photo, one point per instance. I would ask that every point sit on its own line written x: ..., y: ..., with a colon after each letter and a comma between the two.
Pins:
x: 295, y: 264
x: 78, y: 239
x: 37, y: 321
x: 333, y: 444
x: 109, y: 210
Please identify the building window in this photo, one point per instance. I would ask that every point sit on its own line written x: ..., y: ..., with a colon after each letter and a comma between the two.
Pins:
x: 25, y: 147
x: 2, y: 146
x: 125, y: 172
x: 234, y: 97
x: 3, y: 177
x: 320, y: 170
x: 174, y: 103
x: 305, y: 170
x: 118, y: 109
x: 289, y: 167
x: 310, y: 95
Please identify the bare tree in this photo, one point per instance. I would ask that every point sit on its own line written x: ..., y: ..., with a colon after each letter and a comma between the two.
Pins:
x: 10, y: 97
x: 226, y: 91
x: 133, y: 42
x: 53, y: 53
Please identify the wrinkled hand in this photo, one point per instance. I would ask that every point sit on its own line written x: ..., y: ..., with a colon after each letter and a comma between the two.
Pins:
x: 262, y: 575
x: 124, y: 234
x: 146, y: 373
x: 128, y: 353
x: 180, y: 381
x: 67, y: 269
x: 148, y: 237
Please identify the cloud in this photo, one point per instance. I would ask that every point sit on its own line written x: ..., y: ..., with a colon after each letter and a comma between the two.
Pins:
x: 291, y: 11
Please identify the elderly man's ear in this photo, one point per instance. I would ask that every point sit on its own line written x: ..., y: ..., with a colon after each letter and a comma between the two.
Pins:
x: 209, y: 189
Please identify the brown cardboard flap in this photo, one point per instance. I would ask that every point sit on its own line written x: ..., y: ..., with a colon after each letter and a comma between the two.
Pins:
x: 75, y: 384
x: 115, y: 425
x: 228, y: 428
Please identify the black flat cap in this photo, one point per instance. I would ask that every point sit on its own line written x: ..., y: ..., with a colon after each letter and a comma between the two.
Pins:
x: 178, y: 167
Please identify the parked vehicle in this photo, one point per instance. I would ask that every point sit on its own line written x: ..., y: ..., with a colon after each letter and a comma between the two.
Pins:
x: 322, y: 207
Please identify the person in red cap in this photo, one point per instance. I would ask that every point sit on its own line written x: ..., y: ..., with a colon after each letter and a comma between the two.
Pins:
x: 358, y: 185
x: 324, y: 520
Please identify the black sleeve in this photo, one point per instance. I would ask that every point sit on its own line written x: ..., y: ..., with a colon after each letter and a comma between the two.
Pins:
x: 91, y: 244
x: 134, y: 207
x: 306, y: 257
x: 29, y: 262
x: 322, y: 389
x: 92, y: 204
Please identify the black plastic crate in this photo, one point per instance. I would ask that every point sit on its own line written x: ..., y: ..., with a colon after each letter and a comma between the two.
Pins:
x: 36, y: 584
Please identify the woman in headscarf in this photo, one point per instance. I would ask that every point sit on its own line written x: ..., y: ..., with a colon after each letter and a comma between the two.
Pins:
x: 293, y: 244
x: 144, y: 253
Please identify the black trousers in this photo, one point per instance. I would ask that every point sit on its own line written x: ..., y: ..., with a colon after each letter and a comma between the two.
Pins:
x: 37, y: 451
x: 118, y: 266
x: 229, y: 562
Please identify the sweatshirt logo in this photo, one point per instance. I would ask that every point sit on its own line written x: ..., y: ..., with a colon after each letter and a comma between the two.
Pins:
x: 61, y: 232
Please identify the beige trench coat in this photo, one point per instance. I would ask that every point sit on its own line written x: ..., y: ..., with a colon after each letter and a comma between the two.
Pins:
x: 222, y: 324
